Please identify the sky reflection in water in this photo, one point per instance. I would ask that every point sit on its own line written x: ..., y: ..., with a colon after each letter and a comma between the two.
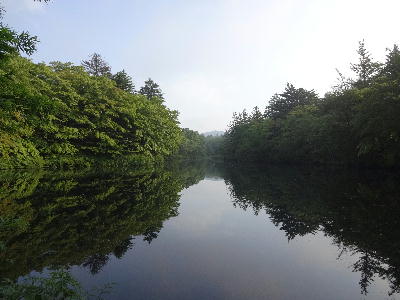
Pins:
x: 242, y: 234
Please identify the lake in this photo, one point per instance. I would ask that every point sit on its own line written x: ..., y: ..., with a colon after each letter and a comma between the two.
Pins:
x: 208, y: 231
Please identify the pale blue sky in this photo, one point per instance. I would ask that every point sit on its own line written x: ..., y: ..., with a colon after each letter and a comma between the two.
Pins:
x: 212, y: 57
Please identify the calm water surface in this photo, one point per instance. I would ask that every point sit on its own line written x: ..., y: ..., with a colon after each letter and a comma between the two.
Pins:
x: 200, y: 232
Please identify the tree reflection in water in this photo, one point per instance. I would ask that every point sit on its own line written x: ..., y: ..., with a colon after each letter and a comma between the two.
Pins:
x: 358, y: 210
x: 59, y: 219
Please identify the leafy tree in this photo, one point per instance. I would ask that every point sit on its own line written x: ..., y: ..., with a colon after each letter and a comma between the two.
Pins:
x: 124, y: 81
x: 214, y: 146
x: 58, y: 285
x: 56, y: 111
x: 375, y: 122
x: 366, y: 68
x: 12, y: 42
x: 355, y: 124
x: 97, y: 66
x: 60, y: 115
x: 391, y: 68
x: 281, y: 104
x: 192, y: 146
x: 151, y: 90
x: 256, y: 114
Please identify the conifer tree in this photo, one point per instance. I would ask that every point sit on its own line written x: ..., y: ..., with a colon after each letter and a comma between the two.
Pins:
x: 97, y: 66
x: 366, y: 68
x: 124, y: 81
x: 151, y: 90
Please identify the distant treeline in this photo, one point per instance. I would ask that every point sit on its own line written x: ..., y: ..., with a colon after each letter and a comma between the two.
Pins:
x: 62, y: 114
x: 196, y: 146
x: 357, y: 123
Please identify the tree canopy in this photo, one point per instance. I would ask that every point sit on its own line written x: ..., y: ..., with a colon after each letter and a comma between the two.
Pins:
x: 60, y: 114
x: 59, y: 110
x: 356, y: 123
x: 281, y: 104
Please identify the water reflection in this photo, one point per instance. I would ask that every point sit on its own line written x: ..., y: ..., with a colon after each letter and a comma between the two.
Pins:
x: 60, y: 219
x: 64, y: 219
x: 358, y: 212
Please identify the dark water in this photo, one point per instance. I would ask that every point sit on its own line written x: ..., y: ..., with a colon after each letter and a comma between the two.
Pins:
x: 201, y: 232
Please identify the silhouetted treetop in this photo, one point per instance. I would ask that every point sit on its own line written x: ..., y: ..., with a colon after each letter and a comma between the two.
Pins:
x: 392, y: 65
x: 366, y: 68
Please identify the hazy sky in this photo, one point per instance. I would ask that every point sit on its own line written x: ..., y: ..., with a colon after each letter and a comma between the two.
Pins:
x: 213, y: 57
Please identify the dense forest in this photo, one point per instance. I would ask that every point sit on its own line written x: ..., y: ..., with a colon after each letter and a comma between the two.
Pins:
x: 65, y: 115
x: 357, y: 123
x: 61, y: 114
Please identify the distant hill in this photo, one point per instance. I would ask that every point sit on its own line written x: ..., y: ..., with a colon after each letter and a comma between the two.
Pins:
x: 213, y: 133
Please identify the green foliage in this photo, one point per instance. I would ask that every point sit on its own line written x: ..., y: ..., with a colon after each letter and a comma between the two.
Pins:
x: 59, y: 285
x: 123, y: 81
x: 151, y: 90
x: 12, y: 42
x: 195, y: 146
x: 83, y: 217
x: 366, y: 69
x: 192, y: 146
x: 281, y: 104
x: 60, y: 111
x: 52, y: 220
x: 61, y: 115
x: 214, y: 145
x: 357, y: 123
x: 97, y: 66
